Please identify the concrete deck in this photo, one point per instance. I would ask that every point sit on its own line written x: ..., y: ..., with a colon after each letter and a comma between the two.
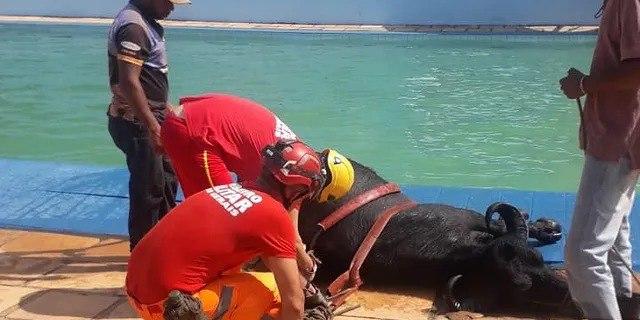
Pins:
x: 56, y: 276
x: 293, y: 27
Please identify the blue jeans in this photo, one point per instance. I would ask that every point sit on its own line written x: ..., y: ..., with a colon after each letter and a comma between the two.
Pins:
x: 152, y: 182
x: 600, y: 222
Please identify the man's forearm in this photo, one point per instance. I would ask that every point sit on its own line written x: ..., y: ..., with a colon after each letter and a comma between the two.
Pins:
x: 625, y: 77
x: 287, y: 279
x: 133, y: 93
x: 291, y: 312
x: 305, y: 263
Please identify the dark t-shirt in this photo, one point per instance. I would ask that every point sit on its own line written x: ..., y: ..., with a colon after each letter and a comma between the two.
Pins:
x: 134, y: 47
x: 137, y: 39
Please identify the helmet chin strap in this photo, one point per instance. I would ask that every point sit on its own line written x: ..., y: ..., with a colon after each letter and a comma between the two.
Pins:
x: 290, y: 202
x: 277, y: 189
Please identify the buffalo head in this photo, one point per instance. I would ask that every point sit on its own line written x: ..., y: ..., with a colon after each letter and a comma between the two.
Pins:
x: 483, y: 265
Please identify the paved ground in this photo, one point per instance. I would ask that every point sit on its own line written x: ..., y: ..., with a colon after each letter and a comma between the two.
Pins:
x: 377, y: 28
x: 55, y: 276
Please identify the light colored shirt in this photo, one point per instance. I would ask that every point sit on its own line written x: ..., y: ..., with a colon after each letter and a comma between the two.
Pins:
x: 612, y: 117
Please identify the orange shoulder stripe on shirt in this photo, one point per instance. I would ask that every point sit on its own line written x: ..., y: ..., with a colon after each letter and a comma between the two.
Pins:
x: 131, y: 60
x: 205, y: 158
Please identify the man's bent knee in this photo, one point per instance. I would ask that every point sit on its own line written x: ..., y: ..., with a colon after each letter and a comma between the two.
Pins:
x: 240, y: 296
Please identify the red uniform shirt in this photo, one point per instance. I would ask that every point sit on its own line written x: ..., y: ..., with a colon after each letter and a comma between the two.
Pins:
x: 211, y: 232
x: 219, y: 134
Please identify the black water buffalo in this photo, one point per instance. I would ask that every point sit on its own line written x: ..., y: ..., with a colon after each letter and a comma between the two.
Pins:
x: 433, y: 244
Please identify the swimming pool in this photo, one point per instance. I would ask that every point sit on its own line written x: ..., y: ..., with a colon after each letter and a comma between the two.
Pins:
x: 452, y: 110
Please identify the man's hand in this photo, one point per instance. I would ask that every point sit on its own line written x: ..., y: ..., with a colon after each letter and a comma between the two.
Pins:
x: 316, y: 305
x: 307, y: 264
x: 131, y: 88
x: 570, y: 84
x: 155, y: 139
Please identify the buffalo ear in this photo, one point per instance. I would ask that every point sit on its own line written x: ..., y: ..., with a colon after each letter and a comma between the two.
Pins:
x: 511, y: 259
x: 506, y: 252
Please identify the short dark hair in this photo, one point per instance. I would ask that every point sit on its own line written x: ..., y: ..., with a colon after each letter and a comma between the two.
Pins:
x: 181, y: 306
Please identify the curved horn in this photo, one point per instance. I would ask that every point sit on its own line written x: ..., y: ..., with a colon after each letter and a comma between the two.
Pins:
x: 513, y: 219
x: 488, y: 215
x: 451, y: 299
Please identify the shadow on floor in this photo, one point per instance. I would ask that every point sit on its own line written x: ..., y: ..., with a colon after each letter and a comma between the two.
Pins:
x: 74, y: 303
x: 25, y: 266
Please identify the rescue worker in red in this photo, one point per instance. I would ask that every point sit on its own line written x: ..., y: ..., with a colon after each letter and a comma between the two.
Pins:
x: 209, y: 136
x: 190, y: 261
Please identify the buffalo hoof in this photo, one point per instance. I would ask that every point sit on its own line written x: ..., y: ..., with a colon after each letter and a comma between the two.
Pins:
x: 546, y: 231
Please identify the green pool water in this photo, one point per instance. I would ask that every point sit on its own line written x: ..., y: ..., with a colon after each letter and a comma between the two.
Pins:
x: 451, y: 110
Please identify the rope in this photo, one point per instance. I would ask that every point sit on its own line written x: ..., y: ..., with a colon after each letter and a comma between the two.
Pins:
x: 583, y: 129
x: 601, y: 10
x: 345, y: 310
x: 625, y: 264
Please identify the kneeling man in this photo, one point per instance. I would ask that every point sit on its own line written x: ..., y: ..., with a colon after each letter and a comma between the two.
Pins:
x: 194, y: 254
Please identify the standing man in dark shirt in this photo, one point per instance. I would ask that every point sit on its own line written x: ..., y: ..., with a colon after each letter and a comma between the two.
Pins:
x: 138, y: 77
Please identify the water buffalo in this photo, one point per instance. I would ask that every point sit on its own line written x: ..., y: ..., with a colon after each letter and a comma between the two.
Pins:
x: 483, y: 265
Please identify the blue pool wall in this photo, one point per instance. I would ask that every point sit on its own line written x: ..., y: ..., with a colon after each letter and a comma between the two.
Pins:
x: 391, y: 12
x: 94, y: 200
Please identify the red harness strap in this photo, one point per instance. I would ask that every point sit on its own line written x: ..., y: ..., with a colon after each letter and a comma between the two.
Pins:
x: 351, y: 277
x: 357, y: 202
